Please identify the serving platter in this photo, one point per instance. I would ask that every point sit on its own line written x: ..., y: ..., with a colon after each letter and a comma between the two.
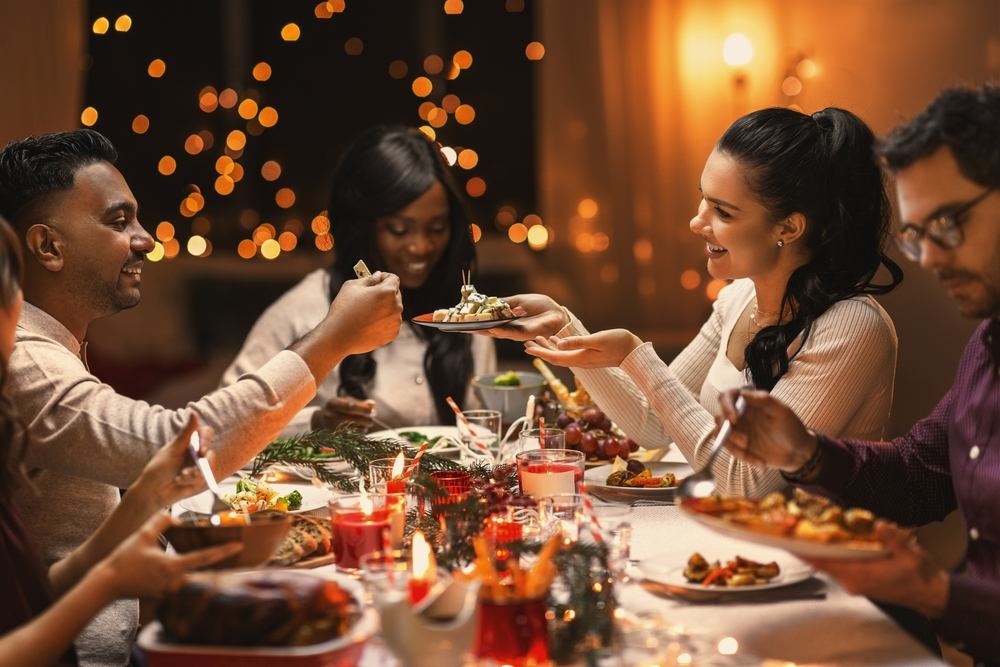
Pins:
x: 313, y: 497
x: 427, y: 320
x: 656, y: 569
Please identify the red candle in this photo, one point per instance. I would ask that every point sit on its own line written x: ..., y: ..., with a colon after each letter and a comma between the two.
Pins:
x: 395, y: 486
x: 544, y: 472
x: 422, y: 568
x: 356, y: 534
x: 419, y: 588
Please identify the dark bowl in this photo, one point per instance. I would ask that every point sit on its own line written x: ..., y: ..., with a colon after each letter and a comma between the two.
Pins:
x: 261, y: 537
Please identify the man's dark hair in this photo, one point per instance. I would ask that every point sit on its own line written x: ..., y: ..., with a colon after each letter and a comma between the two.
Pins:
x: 966, y: 120
x: 38, y: 166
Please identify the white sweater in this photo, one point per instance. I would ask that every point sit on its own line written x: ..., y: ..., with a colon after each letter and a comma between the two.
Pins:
x: 400, y: 389
x: 839, y: 383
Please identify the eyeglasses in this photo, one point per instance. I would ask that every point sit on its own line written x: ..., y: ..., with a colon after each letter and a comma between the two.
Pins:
x: 945, y: 230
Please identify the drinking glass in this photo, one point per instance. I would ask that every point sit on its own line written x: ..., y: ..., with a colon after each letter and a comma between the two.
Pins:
x: 482, y: 426
x: 359, y: 525
x: 562, y: 513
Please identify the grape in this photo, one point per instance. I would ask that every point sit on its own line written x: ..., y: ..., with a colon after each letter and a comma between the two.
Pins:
x: 588, y: 443
x: 605, y: 424
x: 563, y: 420
x: 633, y: 446
x: 593, y: 416
x: 635, y: 466
x: 573, y: 434
x: 610, y: 448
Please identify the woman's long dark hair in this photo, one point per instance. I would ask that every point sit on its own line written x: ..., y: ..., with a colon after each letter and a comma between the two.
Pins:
x: 382, y: 172
x: 12, y: 432
x: 822, y: 166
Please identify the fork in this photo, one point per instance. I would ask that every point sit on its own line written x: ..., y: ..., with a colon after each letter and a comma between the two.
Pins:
x: 218, y: 504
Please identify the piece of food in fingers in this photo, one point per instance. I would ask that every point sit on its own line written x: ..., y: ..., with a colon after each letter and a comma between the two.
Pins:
x: 361, y: 269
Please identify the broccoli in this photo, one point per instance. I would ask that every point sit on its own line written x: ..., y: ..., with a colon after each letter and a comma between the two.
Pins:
x: 508, y: 379
x: 245, y: 485
x: 293, y: 500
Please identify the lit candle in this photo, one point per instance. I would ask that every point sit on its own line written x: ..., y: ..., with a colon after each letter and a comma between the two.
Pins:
x: 357, y: 527
x: 396, y: 483
x: 423, y: 568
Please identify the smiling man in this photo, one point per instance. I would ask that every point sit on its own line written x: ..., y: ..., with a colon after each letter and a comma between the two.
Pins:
x: 84, y: 250
x: 947, y: 167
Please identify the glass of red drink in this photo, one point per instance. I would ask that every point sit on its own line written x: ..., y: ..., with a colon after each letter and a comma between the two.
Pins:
x: 513, y: 632
x: 545, y: 472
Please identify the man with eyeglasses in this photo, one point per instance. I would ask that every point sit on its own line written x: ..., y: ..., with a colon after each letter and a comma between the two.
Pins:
x: 946, y: 162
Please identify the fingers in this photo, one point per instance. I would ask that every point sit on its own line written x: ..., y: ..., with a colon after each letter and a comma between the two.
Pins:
x: 198, y: 559
x: 574, y: 343
x: 352, y: 407
x: 158, y: 523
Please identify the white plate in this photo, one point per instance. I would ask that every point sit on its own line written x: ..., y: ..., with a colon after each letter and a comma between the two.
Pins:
x: 431, y: 432
x: 596, y: 477
x: 313, y: 497
x: 793, y: 545
x: 791, y: 572
x: 427, y: 320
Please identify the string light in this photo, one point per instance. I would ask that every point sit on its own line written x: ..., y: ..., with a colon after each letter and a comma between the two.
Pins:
x: 453, y: 7
x: 285, y: 197
x: 89, y: 116
x: 465, y: 114
x: 468, y: 158
x: 164, y: 231
x: 397, y: 69
x: 270, y: 249
x: 123, y: 23
x: 354, y: 46
x: 323, y: 11
x: 167, y: 165
x: 475, y: 187
x: 287, y: 241
x: 262, y: 71
x: 197, y: 245
x: 433, y: 64
x: 140, y: 124
x: 462, y: 59
x: 422, y: 86
x: 587, y: 208
x: 690, y: 279
x: 228, y: 98
x: 291, y: 32
x: 156, y: 68
x: 737, y: 50
x: 268, y: 117
x: 534, y: 51
x: 246, y: 249
x: 247, y: 109
x: 156, y: 254
x: 270, y: 170
x: 517, y: 232
x: 101, y: 25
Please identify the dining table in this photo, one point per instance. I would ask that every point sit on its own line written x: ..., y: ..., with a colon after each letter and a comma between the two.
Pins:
x: 813, y: 623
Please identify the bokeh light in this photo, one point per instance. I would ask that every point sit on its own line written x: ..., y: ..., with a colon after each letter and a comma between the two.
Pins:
x: 517, y: 233
x: 475, y: 187
x: 476, y: 232
x: 422, y: 86
x: 164, y: 231
x: 285, y: 197
x: 287, y: 241
x: 465, y: 114
x: 140, y: 124
x: 538, y: 237
x: 197, y: 245
x: 246, y: 249
x: 261, y: 71
x: 270, y: 170
x: 247, y: 109
x: 643, y: 251
x: 268, y: 117
x: 156, y: 254
x: 453, y: 6
x: 291, y: 32
x: 468, y: 158
x: 194, y: 144
x: 89, y: 116
x: 167, y: 165
x: 398, y: 69
x: 737, y: 50
x: 534, y: 51
x: 587, y: 208
x: 101, y: 25
x: 433, y: 64
x: 690, y: 279
x: 123, y: 23
x: 462, y: 59
x: 228, y: 98
x: 354, y: 46
x: 270, y: 249
x: 236, y: 140
x: 157, y: 68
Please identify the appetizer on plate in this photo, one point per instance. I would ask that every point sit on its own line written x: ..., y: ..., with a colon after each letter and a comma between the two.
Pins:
x: 251, y: 496
x: 475, y: 307
x: 804, y: 516
x: 634, y: 474
x: 309, y: 537
x: 737, y: 572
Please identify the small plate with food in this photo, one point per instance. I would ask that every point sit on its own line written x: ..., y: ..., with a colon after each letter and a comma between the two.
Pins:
x: 248, y: 496
x: 804, y: 524
x: 628, y: 481
x: 474, y: 312
x: 736, y: 575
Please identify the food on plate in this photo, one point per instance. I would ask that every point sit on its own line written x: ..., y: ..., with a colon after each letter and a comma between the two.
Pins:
x: 416, y: 438
x: 257, y: 609
x: 475, y: 307
x: 737, y: 572
x: 572, y: 402
x: 508, y: 379
x: 593, y: 434
x: 804, y: 515
x: 634, y: 474
x: 257, y: 496
x: 361, y: 269
x: 309, y: 536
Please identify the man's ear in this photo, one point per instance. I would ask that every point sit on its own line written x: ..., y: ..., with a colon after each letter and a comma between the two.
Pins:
x: 45, y: 244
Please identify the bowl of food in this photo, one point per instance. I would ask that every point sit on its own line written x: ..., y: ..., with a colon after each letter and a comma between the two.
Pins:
x: 507, y: 391
x: 261, y: 533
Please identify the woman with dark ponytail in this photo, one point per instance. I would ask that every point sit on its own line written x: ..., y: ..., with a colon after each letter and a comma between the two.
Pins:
x: 395, y: 205
x: 794, y: 212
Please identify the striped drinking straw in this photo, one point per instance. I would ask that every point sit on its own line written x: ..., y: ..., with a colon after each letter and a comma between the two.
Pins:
x: 465, y: 422
x: 588, y: 509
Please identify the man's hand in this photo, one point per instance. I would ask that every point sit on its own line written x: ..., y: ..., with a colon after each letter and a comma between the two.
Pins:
x: 344, y: 409
x: 603, y: 349
x: 907, y: 577
x: 140, y: 568
x: 367, y: 312
x: 768, y: 433
x: 540, y: 316
x: 170, y: 475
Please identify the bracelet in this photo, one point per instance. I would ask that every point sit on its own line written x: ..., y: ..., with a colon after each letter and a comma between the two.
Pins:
x: 804, y: 472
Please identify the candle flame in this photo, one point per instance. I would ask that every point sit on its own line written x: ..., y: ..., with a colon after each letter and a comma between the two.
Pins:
x: 365, y: 503
x: 398, y: 465
x: 422, y: 564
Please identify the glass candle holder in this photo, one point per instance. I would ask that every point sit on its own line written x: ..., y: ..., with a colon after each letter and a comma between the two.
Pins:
x: 482, y: 426
x: 453, y: 486
x: 395, y: 506
x: 513, y: 632
x: 380, y: 470
x: 386, y: 572
x: 544, y: 472
x: 357, y: 528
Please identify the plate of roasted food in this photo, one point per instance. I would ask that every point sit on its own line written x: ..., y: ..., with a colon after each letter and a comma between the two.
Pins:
x: 803, y: 524
x: 260, y: 618
x: 736, y: 575
x: 474, y: 312
x: 628, y: 481
x: 247, y: 495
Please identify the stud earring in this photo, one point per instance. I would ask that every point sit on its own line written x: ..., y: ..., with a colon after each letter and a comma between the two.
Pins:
x: 781, y: 243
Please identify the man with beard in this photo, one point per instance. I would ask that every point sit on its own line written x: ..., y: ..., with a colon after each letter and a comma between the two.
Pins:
x: 947, y: 167
x: 84, y: 250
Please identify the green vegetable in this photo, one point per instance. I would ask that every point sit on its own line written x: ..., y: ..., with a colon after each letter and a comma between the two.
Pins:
x: 508, y: 379
x: 245, y: 485
x: 416, y: 438
x: 293, y: 500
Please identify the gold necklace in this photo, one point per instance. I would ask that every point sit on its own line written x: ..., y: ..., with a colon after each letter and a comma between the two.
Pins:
x: 755, y: 319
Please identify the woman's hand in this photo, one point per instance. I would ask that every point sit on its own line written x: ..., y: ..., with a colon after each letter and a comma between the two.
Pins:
x: 540, y: 316
x: 139, y: 567
x: 344, y: 409
x: 603, y: 349
x: 170, y: 475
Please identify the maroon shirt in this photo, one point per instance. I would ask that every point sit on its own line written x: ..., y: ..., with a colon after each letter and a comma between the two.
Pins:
x: 948, y: 460
x: 24, y: 580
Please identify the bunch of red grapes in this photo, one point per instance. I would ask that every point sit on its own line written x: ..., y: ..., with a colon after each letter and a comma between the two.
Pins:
x: 591, y: 434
